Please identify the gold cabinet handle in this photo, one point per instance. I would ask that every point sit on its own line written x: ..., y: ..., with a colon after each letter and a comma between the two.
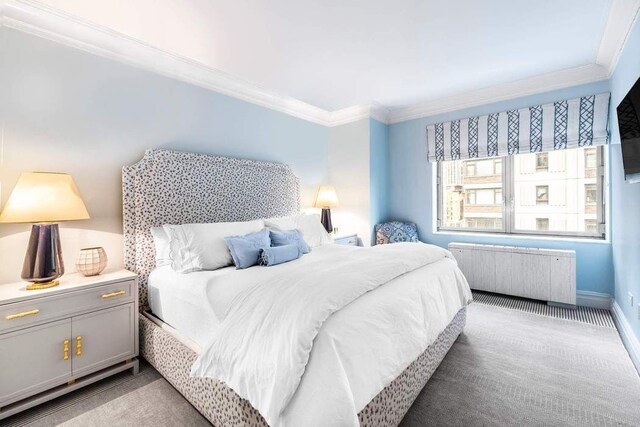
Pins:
x: 23, y: 314
x: 113, y: 294
x: 65, y: 350
x: 78, y: 346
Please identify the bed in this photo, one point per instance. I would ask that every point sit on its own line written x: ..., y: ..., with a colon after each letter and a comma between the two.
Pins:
x: 370, y: 357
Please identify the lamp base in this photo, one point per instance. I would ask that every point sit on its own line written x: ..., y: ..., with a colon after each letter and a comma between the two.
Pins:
x: 325, y: 219
x: 43, y: 260
x: 45, y: 285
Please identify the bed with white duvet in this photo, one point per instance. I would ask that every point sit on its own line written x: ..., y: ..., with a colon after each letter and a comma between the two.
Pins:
x: 312, y: 341
x: 339, y: 337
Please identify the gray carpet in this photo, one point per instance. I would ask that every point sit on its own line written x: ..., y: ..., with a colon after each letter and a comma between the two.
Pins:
x: 509, y: 367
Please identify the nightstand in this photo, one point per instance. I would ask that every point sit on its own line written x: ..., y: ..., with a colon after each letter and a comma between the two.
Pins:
x: 56, y: 340
x: 347, y: 239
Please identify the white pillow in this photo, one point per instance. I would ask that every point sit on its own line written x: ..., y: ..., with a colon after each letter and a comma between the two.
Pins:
x: 309, y: 224
x: 161, y: 242
x: 196, y: 247
x: 312, y: 230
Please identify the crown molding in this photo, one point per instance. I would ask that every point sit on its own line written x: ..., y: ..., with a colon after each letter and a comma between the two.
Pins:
x: 49, y: 23
x: 530, y: 86
x: 622, y: 17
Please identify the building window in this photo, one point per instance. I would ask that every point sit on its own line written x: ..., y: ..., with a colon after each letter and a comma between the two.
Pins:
x: 542, y: 194
x: 517, y: 195
x: 542, y: 162
x: 590, y: 158
x: 590, y: 194
x: 591, y: 226
x: 542, y: 224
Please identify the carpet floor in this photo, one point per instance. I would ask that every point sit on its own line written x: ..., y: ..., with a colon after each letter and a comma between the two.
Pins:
x: 509, y: 367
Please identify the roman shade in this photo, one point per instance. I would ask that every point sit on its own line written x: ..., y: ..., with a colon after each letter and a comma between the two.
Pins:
x: 560, y: 125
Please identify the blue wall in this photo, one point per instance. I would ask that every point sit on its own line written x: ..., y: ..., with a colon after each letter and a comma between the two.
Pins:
x: 378, y: 172
x: 625, y: 200
x: 69, y: 110
x: 410, y: 190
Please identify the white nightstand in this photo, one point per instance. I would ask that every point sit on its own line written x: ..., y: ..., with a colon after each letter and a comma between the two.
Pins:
x: 56, y: 340
x: 347, y: 239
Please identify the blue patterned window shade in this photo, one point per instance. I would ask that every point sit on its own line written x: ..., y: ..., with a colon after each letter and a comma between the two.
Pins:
x: 560, y: 125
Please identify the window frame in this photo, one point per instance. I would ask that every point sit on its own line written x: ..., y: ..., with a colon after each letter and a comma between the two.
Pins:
x: 508, y: 208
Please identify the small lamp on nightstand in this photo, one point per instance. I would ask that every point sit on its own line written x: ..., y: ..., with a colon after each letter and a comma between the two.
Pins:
x: 43, y: 198
x: 327, y: 199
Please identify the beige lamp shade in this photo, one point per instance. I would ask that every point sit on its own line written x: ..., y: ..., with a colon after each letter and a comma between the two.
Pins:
x: 327, y: 197
x: 44, y: 197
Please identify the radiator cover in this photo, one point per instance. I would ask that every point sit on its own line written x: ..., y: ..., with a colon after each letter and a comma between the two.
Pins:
x: 542, y: 274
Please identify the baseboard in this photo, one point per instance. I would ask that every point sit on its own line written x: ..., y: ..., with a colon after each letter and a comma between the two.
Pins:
x: 593, y: 299
x: 626, y: 333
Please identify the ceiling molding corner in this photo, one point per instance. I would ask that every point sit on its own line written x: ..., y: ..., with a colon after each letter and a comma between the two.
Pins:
x: 623, y: 15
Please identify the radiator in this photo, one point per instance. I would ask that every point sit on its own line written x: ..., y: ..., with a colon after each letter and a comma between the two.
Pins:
x: 542, y: 274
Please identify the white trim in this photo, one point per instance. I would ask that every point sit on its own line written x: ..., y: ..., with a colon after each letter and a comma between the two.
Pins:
x: 517, y: 89
x: 626, y: 333
x: 593, y: 299
x: 51, y: 24
x: 35, y: 18
x: 623, y: 14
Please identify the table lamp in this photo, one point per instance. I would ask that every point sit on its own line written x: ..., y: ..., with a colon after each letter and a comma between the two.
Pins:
x: 43, y: 198
x: 327, y: 199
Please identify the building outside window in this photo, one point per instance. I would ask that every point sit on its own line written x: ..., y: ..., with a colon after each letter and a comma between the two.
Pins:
x: 542, y: 195
x: 590, y: 194
x: 542, y: 162
x: 542, y: 224
x: 511, y: 194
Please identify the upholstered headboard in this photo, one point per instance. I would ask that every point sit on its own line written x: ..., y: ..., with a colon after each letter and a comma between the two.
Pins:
x: 172, y: 187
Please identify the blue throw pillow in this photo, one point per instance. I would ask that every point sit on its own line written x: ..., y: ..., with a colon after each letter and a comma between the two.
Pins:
x: 289, y: 237
x: 279, y: 254
x: 245, y: 250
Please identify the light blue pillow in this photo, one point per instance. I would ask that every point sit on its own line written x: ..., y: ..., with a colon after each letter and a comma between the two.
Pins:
x: 289, y: 237
x: 279, y: 254
x: 245, y: 250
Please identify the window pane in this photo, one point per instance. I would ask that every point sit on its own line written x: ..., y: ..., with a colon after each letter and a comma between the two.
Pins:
x: 563, y: 197
x: 471, y: 194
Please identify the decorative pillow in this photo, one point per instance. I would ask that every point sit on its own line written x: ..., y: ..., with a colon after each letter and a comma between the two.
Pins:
x: 279, y: 254
x: 161, y: 242
x: 290, y: 237
x: 396, y: 231
x: 245, y: 250
x: 308, y: 224
x: 313, y: 230
x: 196, y: 247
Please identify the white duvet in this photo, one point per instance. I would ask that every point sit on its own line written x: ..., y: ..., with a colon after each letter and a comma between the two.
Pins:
x: 313, y: 342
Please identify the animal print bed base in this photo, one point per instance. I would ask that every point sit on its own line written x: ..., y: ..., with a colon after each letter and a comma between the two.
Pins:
x: 224, y: 408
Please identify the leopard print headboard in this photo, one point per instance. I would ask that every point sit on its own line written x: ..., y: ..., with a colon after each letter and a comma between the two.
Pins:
x: 172, y: 187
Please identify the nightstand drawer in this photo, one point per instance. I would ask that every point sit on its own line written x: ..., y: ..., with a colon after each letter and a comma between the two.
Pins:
x: 38, y: 310
x: 347, y: 240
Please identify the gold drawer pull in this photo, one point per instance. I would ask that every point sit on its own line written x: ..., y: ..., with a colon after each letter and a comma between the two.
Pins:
x: 65, y: 350
x: 113, y: 294
x: 78, y: 346
x: 23, y: 314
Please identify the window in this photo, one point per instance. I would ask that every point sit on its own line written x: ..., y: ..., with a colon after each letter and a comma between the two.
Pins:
x: 590, y: 158
x: 542, y: 224
x: 591, y: 225
x: 542, y: 195
x: 519, y: 195
x: 542, y: 161
x: 590, y: 194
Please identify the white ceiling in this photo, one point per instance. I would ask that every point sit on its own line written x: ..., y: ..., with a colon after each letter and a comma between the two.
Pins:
x: 334, y: 54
